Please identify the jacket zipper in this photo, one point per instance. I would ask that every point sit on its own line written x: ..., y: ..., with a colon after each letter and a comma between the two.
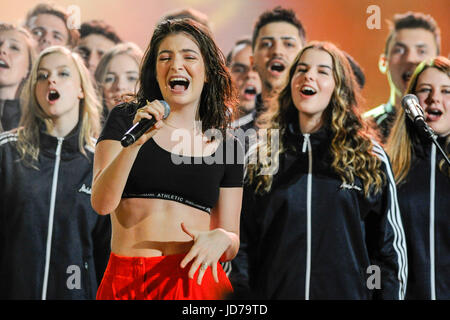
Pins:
x: 307, y: 147
x: 51, y: 216
x: 432, y: 223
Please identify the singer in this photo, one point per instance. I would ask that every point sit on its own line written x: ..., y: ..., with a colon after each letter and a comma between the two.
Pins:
x: 171, y: 223
x: 423, y: 180
x: 52, y: 243
x: 316, y: 228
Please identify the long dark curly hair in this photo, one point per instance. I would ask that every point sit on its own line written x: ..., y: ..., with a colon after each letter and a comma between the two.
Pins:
x: 352, y: 139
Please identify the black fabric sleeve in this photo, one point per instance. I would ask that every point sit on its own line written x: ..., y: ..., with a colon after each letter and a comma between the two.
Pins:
x: 234, y: 163
x: 119, y: 120
x: 386, y: 241
x: 102, y: 245
x: 244, y: 262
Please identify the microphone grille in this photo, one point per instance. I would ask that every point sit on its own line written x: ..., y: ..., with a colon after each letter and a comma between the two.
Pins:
x: 408, y: 99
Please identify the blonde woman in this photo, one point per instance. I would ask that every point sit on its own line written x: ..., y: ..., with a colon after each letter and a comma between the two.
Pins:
x: 117, y: 74
x: 53, y: 245
x: 324, y: 224
x: 423, y: 182
x: 17, y: 54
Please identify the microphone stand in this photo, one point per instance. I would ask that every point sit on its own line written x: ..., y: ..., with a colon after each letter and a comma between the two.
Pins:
x: 433, y: 136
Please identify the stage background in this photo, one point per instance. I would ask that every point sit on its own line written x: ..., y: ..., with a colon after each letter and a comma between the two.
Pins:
x: 343, y: 22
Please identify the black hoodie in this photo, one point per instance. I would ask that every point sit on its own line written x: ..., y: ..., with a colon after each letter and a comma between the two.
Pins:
x: 9, y: 114
x: 52, y: 243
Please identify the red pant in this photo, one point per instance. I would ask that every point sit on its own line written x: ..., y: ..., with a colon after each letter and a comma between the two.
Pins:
x: 159, y: 278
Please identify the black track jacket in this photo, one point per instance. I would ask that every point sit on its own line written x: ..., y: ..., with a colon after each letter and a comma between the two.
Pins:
x: 53, y: 245
x: 313, y: 237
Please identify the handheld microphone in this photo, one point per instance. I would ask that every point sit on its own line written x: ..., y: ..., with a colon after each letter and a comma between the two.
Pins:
x: 139, y: 128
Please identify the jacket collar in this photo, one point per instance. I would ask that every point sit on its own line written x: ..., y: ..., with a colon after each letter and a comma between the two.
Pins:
x: 422, y: 145
x: 295, y: 137
x: 70, y: 145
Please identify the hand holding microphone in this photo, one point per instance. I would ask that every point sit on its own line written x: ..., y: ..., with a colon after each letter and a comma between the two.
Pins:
x: 146, y: 118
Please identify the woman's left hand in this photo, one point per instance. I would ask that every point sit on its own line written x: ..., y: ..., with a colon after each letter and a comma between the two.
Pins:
x: 207, y: 249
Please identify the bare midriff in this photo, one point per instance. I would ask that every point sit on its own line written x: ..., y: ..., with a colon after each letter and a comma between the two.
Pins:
x: 152, y: 227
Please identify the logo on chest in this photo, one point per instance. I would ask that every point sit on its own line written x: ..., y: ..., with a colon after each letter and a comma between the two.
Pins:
x: 85, y: 189
x: 350, y: 187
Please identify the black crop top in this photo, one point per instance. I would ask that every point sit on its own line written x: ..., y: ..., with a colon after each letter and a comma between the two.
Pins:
x: 158, y: 173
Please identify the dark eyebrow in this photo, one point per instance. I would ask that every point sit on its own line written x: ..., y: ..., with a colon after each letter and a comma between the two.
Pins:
x: 239, y: 64
x: 84, y: 48
x: 190, y: 50
x: 12, y: 39
x: 267, y: 38
x: 282, y: 38
x: 401, y: 44
x: 182, y: 50
x: 429, y: 84
x: 58, y: 33
x: 58, y: 67
x: 288, y: 38
x: 320, y: 65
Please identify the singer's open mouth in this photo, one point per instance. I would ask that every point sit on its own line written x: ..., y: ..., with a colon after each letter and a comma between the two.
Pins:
x: 250, y: 90
x: 249, y: 93
x: 3, y: 64
x: 433, y: 114
x: 276, y: 66
x: 53, y: 95
x: 406, y: 76
x: 308, y: 91
x: 179, y: 84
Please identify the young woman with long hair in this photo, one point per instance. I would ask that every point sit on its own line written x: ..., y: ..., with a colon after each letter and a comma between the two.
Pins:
x: 423, y: 182
x: 319, y: 213
x: 172, y: 222
x: 17, y: 54
x: 53, y: 244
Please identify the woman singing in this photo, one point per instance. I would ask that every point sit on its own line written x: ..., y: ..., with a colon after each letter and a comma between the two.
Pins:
x: 52, y: 243
x: 423, y: 182
x: 17, y: 54
x: 172, y: 222
x: 323, y: 222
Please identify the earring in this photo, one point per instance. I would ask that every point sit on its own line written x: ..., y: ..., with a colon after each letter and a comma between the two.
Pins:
x: 382, y: 64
